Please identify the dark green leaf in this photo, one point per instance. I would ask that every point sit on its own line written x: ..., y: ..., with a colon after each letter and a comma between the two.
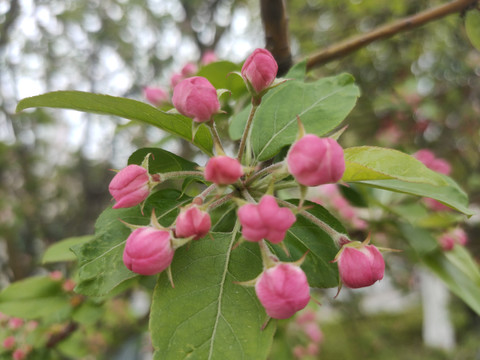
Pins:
x: 161, y: 161
x: 126, y: 108
x: 207, y: 315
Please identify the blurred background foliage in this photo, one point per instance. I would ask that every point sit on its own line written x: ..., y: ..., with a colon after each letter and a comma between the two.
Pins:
x: 420, y: 89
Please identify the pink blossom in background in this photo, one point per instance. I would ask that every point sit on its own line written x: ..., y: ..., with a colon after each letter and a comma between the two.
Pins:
x: 428, y: 158
x: 19, y: 354
x: 155, y: 95
x: 188, y: 70
x: 175, y: 79
x: 208, y: 57
x: 9, y: 342
x: 330, y: 195
x: 449, y: 239
x: 15, y: 323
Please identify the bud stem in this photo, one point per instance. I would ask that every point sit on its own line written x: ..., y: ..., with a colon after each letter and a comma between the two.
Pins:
x: 246, y: 132
x: 267, y: 170
x: 178, y: 174
x: 268, y: 258
x: 216, y: 138
x: 334, y: 234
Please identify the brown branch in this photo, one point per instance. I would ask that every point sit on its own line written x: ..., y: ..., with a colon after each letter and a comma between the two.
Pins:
x: 348, y: 46
x: 275, y: 24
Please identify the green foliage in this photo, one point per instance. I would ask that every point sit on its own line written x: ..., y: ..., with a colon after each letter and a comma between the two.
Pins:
x: 472, y: 26
x: 161, y: 161
x: 374, y: 163
x: 321, y: 105
x: 126, y: 108
x: 61, y: 250
x: 206, y: 315
x: 34, y: 298
x: 221, y: 77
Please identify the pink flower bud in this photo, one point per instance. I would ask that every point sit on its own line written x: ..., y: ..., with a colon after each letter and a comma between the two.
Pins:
x: 283, y: 290
x: 175, y: 79
x: 148, y: 251
x: 15, y: 323
x: 208, y: 57
x: 428, y: 159
x: 196, y: 98
x: 456, y: 236
x: 192, y: 222
x: 260, y: 70
x: 69, y: 285
x: 223, y: 170
x: 315, y: 161
x: 360, y: 266
x: 312, y: 330
x: 9, y: 342
x: 156, y: 96
x: 265, y: 221
x: 189, y: 69
x: 19, y: 354
x: 130, y: 186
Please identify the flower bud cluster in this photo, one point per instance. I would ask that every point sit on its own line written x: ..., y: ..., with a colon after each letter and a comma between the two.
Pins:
x: 282, y: 287
x: 17, y: 331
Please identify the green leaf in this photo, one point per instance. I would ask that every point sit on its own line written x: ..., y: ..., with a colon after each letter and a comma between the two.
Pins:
x: 35, y: 297
x: 297, y: 71
x: 219, y: 74
x: 472, y: 26
x: 60, y: 251
x: 457, y: 269
x: 101, y: 267
x: 239, y: 121
x: 161, y: 161
x: 375, y: 163
x: 305, y: 236
x: 207, y: 315
x: 460, y: 283
x: 322, y: 105
x: 126, y: 108
x: 450, y: 194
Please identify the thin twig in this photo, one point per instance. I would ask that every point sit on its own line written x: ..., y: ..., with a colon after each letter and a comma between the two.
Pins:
x: 348, y: 46
x: 243, y: 142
